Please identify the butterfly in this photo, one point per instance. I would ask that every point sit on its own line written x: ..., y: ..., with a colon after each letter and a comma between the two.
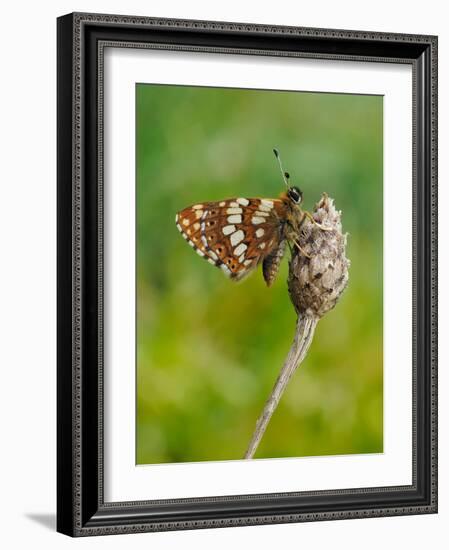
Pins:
x: 238, y: 234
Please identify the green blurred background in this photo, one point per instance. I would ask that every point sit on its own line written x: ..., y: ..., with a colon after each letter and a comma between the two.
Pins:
x: 209, y: 350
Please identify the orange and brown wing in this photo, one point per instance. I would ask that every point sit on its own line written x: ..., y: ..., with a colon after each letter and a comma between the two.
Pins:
x: 234, y: 234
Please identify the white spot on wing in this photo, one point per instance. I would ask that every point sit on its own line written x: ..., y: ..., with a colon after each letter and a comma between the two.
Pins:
x: 190, y: 243
x: 266, y: 202
x: 176, y: 218
x: 240, y: 249
x: 237, y: 237
x: 256, y: 220
x: 242, y: 257
x: 260, y: 232
x: 234, y: 210
x: 198, y: 214
x: 262, y: 245
x: 197, y: 207
x: 211, y: 261
x: 247, y: 262
x: 204, y: 241
x: 222, y: 203
x: 236, y: 218
x: 264, y: 208
x: 228, y: 229
x: 196, y: 226
x: 212, y: 254
x: 185, y: 221
x: 179, y: 227
x: 234, y: 204
x: 264, y: 214
x: 243, y: 202
x: 200, y: 252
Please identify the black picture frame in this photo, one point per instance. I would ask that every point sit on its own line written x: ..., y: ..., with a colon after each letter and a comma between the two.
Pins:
x: 81, y: 509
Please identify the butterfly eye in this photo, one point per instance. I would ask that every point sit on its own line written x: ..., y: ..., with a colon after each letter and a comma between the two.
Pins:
x: 295, y: 194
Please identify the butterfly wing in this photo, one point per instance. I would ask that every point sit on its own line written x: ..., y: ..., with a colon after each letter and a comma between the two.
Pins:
x: 235, y: 234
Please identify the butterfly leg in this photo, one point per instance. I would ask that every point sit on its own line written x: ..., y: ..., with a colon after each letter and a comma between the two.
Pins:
x: 299, y: 247
x: 312, y: 219
x: 291, y: 234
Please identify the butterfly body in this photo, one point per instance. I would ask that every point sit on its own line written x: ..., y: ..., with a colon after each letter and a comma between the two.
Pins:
x: 236, y: 235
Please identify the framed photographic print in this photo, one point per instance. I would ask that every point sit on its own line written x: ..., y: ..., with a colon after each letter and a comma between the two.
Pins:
x: 247, y: 271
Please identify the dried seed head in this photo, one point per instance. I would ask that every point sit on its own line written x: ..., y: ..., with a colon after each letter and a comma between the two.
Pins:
x: 315, y: 284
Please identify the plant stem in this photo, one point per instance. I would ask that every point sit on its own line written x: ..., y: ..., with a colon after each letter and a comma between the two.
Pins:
x: 305, y: 329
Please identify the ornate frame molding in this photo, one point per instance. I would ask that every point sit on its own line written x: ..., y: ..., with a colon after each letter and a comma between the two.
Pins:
x: 81, y: 41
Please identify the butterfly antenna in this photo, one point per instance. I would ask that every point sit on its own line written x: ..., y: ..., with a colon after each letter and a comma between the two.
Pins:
x: 285, y: 175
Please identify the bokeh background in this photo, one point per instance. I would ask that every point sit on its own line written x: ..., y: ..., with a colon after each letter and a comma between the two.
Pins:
x: 209, y: 350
